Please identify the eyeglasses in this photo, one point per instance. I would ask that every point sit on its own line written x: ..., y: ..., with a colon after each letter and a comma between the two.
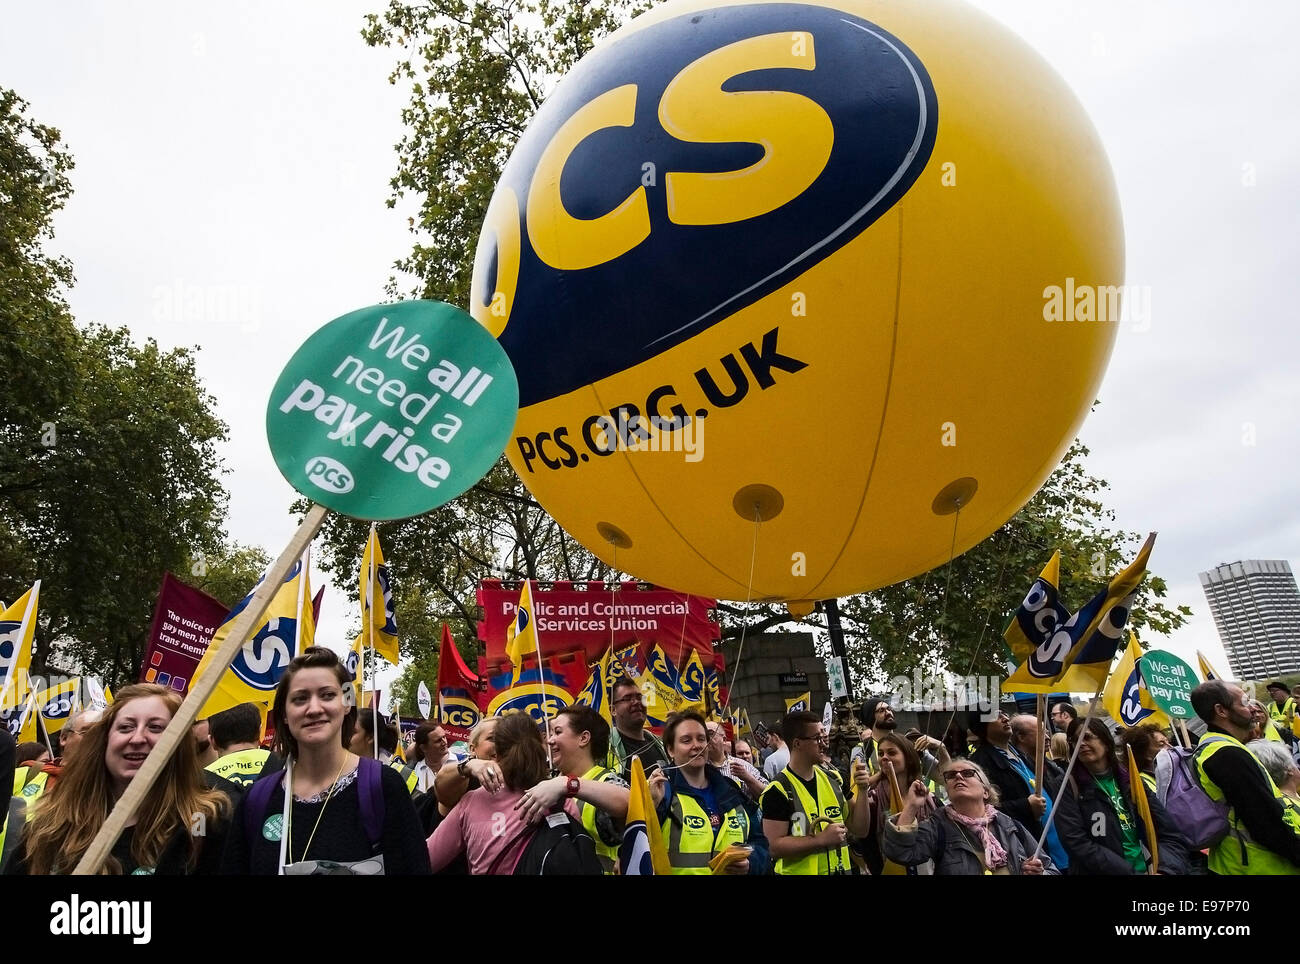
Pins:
x: 816, y: 738
x: 963, y: 774
x: 633, y: 698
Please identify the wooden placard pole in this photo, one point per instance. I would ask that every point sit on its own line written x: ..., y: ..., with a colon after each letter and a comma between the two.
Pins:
x: 1042, y: 733
x: 179, y: 728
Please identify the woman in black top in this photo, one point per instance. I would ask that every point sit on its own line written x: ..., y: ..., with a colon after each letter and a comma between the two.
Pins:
x: 349, y: 815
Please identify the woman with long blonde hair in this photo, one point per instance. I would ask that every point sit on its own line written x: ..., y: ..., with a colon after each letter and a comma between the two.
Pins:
x: 178, y: 828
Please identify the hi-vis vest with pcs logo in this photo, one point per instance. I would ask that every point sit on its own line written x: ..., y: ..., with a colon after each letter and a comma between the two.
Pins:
x: 689, y: 835
x: 805, y: 820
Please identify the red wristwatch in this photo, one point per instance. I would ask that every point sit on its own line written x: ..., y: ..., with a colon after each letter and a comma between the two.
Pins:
x: 572, y: 787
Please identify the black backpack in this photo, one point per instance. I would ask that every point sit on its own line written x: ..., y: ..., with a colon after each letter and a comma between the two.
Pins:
x: 559, y: 846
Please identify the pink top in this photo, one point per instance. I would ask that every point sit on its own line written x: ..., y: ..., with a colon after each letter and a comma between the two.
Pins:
x: 483, y: 826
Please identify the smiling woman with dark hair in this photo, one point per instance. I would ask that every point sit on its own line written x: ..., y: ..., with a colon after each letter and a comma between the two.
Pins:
x: 347, y: 814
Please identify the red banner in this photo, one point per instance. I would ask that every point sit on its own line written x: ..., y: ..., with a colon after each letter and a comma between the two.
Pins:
x: 183, y: 623
x: 589, y: 617
x: 576, y: 623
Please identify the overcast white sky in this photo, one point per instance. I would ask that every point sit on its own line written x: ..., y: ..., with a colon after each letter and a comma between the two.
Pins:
x: 232, y: 168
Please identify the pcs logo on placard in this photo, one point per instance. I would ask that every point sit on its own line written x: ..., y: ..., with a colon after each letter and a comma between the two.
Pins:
x: 755, y: 139
x: 330, y: 474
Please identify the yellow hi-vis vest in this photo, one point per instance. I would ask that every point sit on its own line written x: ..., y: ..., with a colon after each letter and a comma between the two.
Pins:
x: 1226, y: 857
x: 407, y: 772
x: 242, y: 766
x: 689, y: 835
x: 808, y: 818
x: 1283, y: 715
x: 607, y: 855
x: 1283, y: 719
x: 27, y: 790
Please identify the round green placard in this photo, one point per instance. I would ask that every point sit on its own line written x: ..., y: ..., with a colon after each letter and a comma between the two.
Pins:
x: 393, y: 410
x: 1170, y: 682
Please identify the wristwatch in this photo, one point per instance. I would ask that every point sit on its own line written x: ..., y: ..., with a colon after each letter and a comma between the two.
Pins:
x: 460, y: 768
x: 572, y: 787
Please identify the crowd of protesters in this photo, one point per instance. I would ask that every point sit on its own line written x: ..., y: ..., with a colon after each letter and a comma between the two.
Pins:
x: 335, y: 796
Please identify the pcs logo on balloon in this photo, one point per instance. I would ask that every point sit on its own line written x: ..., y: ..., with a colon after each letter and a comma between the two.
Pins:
x: 733, y: 212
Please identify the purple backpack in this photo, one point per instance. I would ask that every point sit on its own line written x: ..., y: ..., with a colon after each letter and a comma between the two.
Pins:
x: 1203, y: 821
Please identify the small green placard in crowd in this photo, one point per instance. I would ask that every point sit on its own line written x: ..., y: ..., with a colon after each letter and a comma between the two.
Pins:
x: 1170, y: 682
x: 393, y: 410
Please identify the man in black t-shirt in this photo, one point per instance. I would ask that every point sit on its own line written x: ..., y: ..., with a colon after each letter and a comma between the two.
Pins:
x: 807, y: 811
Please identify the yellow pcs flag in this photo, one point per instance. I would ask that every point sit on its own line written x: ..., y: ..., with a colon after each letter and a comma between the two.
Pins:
x: 1078, y: 654
x: 1207, y: 671
x: 599, y: 679
x: 521, y: 634
x: 1039, y: 614
x: 287, y: 629
x: 378, y: 627
x: 56, y: 704
x: 1123, y: 698
x: 799, y: 703
x: 642, y: 851
x: 17, y: 626
x: 1138, y: 791
x: 355, y: 663
x: 27, y: 730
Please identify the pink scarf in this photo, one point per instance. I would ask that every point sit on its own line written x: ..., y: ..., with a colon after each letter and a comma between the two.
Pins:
x: 994, y: 856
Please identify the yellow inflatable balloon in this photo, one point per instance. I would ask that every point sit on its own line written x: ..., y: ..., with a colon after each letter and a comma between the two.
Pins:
x: 817, y: 288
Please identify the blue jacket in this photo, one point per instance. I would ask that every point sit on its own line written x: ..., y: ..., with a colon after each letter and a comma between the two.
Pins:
x: 728, y: 796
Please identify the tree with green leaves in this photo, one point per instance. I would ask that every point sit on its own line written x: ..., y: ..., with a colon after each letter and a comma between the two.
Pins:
x: 476, y: 74
x: 109, y: 472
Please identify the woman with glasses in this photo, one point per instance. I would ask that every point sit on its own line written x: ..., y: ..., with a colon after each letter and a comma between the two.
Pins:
x: 1097, y: 820
x: 967, y: 837
x: 706, y: 815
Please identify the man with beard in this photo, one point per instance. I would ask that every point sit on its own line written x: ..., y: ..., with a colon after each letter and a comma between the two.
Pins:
x: 1259, y: 839
x: 630, y: 738
x: 879, y: 716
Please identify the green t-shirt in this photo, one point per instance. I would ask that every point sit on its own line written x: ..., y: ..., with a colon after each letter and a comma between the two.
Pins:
x: 1127, y: 826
